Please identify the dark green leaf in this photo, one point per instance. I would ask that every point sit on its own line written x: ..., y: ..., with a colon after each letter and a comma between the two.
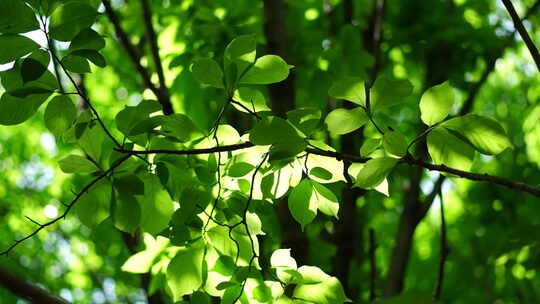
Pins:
x: 15, y: 110
x: 388, y: 91
x: 15, y: 46
x: 87, y: 39
x: 395, y: 143
x: 16, y: 17
x: 31, y: 69
x: 207, y: 71
x: 59, y: 115
x: 69, y: 19
x: 76, y: 164
x: 76, y: 64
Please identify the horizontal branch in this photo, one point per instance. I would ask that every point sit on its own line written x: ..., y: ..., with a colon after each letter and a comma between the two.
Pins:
x: 27, y: 290
x: 68, y: 207
x: 474, y: 176
x: 357, y: 159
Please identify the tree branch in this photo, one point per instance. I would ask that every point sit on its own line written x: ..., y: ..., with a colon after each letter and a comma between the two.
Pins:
x: 69, y: 206
x: 356, y: 159
x: 28, y: 290
x: 522, y: 32
x: 152, y: 39
x: 136, y: 59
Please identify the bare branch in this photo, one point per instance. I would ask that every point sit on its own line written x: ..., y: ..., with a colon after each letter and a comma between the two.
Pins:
x: 522, y: 32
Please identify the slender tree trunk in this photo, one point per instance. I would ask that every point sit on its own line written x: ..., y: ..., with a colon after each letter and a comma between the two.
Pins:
x: 282, y: 100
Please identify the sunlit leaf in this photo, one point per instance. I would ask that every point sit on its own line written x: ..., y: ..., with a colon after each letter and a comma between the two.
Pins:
x: 266, y: 70
x: 349, y: 88
x: 342, y: 121
x: 436, y: 103
x: 484, y: 134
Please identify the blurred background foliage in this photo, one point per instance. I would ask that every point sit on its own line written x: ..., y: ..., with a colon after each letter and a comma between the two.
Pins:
x: 493, y: 232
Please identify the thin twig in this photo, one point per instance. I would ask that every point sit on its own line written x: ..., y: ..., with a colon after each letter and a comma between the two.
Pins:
x: 79, y: 91
x: 444, y: 252
x: 69, y: 206
x: 522, y: 32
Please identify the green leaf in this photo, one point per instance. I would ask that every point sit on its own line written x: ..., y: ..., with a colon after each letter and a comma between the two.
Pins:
x: 16, y: 17
x: 157, y: 206
x: 321, y: 173
x: 303, y: 208
x: 281, y: 258
x: 306, y: 120
x: 32, y: 69
x: 60, y: 115
x: 91, y: 141
x: 127, y: 213
x: 130, y: 117
x: 76, y: 164
x: 374, y: 172
x: 266, y: 70
x: 436, y: 103
x: 242, y: 51
x: 200, y: 297
x: 240, y: 169
x: 87, y: 39
x: 447, y: 149
x: 251, y: 99
x: 272, y: 130
x: 207, y: 71
x: 349, y: 88
x: 15, y: 110
x: 388, y: 91
x: 92, y: 55
x: 94, y: 206
x: 329, y: 291
x: 69, y: 19
x: 262, y: 293
x: 76, y: 64
x: 485, y: 134
x: 342, y: 121
x: 395, y: 143
x: 15, y: 85
x: 15, y: 46
x: 181, y: 127
x: 369, y: 146
x: 327, y: 201
x: 185, y: 272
